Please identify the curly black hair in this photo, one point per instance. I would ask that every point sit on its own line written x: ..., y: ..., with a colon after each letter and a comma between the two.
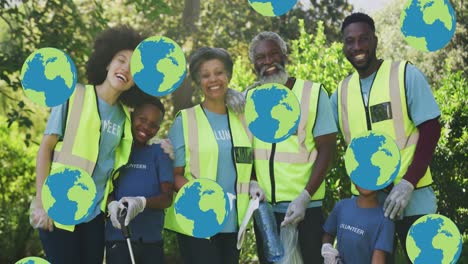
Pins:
x: 106, y: 45
x: 204, y: 54
x: 358, y: 17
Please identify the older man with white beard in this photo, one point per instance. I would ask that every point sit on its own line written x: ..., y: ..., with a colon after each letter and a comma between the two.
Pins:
x: 291, y: 173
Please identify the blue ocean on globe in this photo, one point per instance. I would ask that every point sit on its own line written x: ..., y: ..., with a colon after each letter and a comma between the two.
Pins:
x: 64, y: 210
x: 265, y: 126
x: 277, y: 7
x: 373, y: 172
x: 205, y: 223
x: 423, y: 234
x: 436, y: 34
x: 149, y: 76
x: 56, y: 91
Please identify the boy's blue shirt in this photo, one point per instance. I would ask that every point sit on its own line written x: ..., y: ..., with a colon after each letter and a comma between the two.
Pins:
x: 359, y: 231
x: 147, y: 168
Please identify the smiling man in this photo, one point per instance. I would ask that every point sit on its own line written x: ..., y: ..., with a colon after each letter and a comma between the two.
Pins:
x: 292, y: 172
x: 392, y: 97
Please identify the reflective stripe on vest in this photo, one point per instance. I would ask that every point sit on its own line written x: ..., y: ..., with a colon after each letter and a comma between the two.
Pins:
x: 294, y: 157
x: 201, y: 158
x: 389, y: 94
x: 83, y: 124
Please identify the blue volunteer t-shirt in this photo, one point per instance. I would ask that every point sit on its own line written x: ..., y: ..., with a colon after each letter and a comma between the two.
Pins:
x: 112, y: 126
x: 323, y: 125
x: 226, y: 172
x: 147, y: 168
x: 422, y: 107
x: 359, y: 231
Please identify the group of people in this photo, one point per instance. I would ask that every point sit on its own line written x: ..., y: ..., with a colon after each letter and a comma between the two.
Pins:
x: 211, y: 140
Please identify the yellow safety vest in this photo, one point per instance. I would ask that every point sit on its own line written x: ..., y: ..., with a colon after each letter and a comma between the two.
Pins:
x: 387, y: 112
x: 201, y: 158
x: 84, y: 125
x: 283, y: 169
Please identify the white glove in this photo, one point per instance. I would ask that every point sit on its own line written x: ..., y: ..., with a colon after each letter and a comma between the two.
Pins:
x: 398, y: 198
x: 256, y: 191
x: 235, y: 100
x: 136, y: 205
x: 38, y: 217
x: 167, y: 148
x: 329, y: 254
x: 296, y: 209
x: 114, y: 207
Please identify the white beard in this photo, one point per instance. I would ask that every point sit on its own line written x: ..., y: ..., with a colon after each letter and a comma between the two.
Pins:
x: 281, y: 77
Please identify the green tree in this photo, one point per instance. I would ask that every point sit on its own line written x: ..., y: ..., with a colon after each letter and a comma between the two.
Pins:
x: 450, y: 162
x: 17, y: 165
x: 393, y: 46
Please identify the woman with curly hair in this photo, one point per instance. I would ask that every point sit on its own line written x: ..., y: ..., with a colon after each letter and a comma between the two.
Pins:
x: 91, y: 132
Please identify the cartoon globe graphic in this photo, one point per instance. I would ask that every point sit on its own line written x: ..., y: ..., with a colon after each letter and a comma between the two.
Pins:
x: 48, y: 77
x: 372, y: 160
x: 428, y: 25
x: 158, y: 66
x: 201, y: 208
x: 272, y: 7
x: 434, y: 238
x: 32, y: 260
x: 272, y: 112
x: 69, y: 195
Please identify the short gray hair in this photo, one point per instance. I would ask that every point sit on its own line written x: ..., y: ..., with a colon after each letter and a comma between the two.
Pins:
x: 266, y: 35
x: 204, y: 54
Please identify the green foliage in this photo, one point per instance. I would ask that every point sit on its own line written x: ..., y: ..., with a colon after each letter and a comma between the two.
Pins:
x: 450, y: 163
x: 393, y: 46
x: 243, y: 74
x: 16, y: 190
x: 313, y: 59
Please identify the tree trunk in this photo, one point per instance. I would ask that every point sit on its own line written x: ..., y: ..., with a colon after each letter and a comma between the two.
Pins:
x: 182, y: 97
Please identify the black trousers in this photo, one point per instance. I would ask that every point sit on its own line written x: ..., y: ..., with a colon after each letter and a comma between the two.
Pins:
x: 401, y: 230
x: 219, y: 249
x: 84, y: 245
x: 310, y: 232
x: 117, y: 252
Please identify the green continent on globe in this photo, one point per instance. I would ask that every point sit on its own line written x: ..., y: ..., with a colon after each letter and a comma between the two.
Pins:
x: 351, y: 163
x: 387, y: 163
x: 32, y: 260
x: 201, y: 208
x: 436, y: 10
x: 48, y: 200
x: 68, y: 195
x: 83, y: 194
x: 172, y: 71
x: 265, y: 9
x: 372, y: 160
x: 250, y: 107
x: 56, y: 64
x: 286, y: 115
x: 214, y: 201
x: 417, y: 42
x: 135, y: 62
x: 434, y: 239
x: 35, y: 96
x: 188, y: 225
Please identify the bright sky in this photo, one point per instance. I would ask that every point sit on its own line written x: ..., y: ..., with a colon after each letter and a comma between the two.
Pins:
x: 369, y: 6
x: 366, y: 6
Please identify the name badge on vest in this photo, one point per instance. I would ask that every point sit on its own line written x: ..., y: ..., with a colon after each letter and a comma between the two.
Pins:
x: 381, y: 112
x: 243, y: 155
